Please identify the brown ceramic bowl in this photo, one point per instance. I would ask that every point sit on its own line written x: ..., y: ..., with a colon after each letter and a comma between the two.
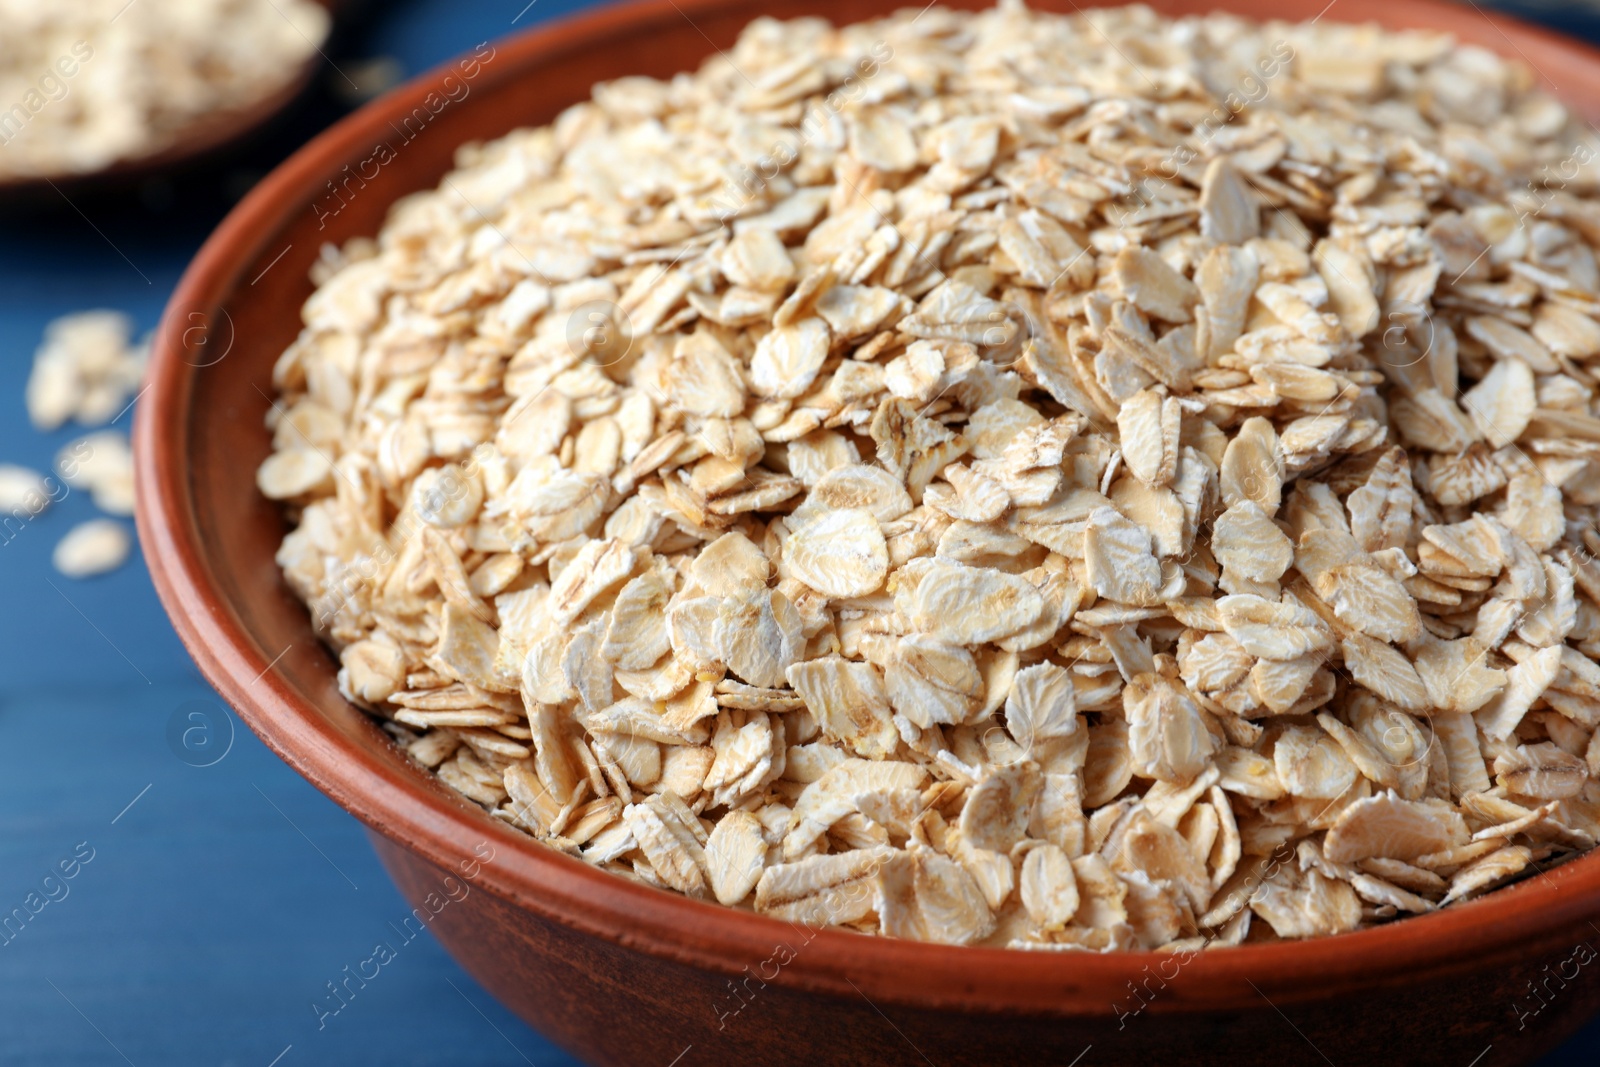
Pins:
x: 623, y: 974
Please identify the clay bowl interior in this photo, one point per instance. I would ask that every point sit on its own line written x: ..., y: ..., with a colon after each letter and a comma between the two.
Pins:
x: 625, y: 974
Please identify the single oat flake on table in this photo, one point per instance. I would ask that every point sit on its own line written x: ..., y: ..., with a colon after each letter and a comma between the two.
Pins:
x: 988, y: 478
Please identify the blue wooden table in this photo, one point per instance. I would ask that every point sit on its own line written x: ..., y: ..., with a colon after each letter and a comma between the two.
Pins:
x: 213, y: 893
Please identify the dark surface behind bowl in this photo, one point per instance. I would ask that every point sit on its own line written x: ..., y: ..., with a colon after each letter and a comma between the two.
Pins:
x: 622, y: 973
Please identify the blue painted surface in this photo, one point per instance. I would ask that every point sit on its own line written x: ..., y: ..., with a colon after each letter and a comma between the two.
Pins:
x: 216, y: 901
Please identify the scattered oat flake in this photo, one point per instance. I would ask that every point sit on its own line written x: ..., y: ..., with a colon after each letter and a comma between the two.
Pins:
x: 91, y: 548
x: 23, y: 490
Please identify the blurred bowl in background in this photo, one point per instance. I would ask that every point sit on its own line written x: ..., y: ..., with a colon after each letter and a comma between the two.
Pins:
x: 206, y: 136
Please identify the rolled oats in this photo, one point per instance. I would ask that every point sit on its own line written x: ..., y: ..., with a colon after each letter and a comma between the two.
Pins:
x: 1031, y: 514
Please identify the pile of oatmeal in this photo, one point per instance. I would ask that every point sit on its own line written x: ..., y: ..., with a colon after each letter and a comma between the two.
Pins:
x: 85, y: 84
x: 1068, y: 483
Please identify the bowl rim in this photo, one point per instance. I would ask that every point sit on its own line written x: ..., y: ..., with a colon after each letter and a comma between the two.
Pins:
x: 1545, y: 910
